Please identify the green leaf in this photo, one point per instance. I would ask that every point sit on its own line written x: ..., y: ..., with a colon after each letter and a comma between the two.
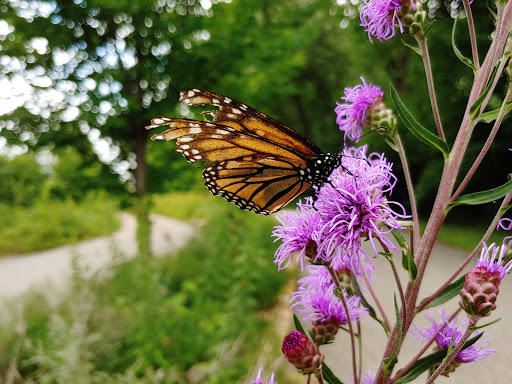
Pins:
x: 448, y: 293
x: 391, y: 143
x: 407, y: 260
x: 414, y: 49
x: 298, y: 325
x: 365, y: 303
x: 483, y: 197
x: 389, y: 362
x: 428, y: 28
x: 489, y: 117
x: 416, y: 128
x: 458, y: 53
x: 485, y: 325
x: 475, y: 108
x: 427, y: 362
x: 329, y: 376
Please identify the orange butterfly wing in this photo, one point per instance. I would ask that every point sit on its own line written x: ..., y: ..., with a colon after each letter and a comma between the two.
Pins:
x: 254, y: 161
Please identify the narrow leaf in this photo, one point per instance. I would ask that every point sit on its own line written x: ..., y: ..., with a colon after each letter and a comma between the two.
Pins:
x: 329, y: 376
x: 485, y: 325
x: 407, y: 260
x: 389, y: 362
x: 448, y: 293
x: 458, y: 53
x: 475, y: 108
x: 416, y: 128
x: 484, y: 196
x: 426, y: 362
x: 414, y: 49
x: 428, y: 28
x: 298, y: 325
x: 489, y: 117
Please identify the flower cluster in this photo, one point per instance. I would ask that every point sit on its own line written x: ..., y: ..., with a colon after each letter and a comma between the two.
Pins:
x: 351, y: 114
x: 316, y: 297
x: 351, y: 207
x: 478, y: 351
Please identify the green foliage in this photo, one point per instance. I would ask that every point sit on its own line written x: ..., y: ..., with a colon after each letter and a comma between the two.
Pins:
x: 50, y: 223
x: 170, y: 316
x: 21, y: 180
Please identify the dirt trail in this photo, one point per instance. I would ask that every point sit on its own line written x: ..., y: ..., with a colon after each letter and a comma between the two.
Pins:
x: 53, y: 266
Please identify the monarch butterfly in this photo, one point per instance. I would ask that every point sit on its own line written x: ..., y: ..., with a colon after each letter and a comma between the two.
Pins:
x: 253, y: 161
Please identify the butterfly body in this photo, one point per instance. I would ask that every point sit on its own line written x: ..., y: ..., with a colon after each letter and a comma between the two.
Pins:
x: 253, y: 161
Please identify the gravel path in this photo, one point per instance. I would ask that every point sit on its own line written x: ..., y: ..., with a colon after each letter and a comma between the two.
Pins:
x: 53, y: 267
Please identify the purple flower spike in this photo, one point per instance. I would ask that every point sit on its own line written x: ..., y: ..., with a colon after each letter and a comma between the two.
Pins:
x: 352, y: 113
x: 355, y: 205
x: 379, y: 18
x: 298, y: 231
x: 478, y: 351
x: 491, y: 259
x: 317, y: 299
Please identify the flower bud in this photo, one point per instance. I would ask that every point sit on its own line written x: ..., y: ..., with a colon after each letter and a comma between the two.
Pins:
x: 302, y: 352
x: 324, y: 331
x: 479, y: 293
x: 381, y: 119
x: 412, y: 17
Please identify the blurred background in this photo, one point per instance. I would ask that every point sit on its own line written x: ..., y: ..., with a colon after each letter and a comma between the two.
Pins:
x: 80, y: 79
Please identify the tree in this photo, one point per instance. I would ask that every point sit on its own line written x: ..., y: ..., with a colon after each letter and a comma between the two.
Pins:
x: 97, y: 70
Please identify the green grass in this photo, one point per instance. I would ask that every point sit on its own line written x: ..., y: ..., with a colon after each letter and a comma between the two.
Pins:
x: 170, y: 317
x: 188, y: 205
x: 51, y: 223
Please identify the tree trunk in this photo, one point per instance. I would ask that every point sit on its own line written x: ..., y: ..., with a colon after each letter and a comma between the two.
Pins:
x: 143, y: 202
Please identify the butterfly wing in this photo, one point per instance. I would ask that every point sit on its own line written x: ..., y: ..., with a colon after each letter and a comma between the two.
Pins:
x: 260, y: 184
x: 254, y: 161
x: 241, y: 117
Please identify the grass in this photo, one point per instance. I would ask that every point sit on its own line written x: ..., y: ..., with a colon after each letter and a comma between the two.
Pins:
x: 52, y: 223
x: 160, y: 320
x: 187, y: 205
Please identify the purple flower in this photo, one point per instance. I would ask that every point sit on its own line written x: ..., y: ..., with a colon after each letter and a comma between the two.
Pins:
x: 505, y: 224
x: 490, y: 261
x: 258, y: 379
x: 368, y: 378
x: 317, y: 299
x: 380, y: 17
x: 355, y: 205
x: 298, y: 232
x: 352, y: 113
x: 478, y: 351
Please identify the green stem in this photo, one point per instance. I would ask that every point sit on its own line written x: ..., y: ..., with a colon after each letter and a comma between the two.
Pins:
x: 422, y: 44
x: 453, y: 353
x: 472, y: 34
x: 336, y: 281
x: 410, y: 188
x: 425, y: 347
x: 486, y: 146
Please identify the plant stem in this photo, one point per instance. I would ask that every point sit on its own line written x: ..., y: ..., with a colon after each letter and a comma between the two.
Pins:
x: 425, y: 347
x: 336, y: 281
x: 486, y: 146
x: 375, y: 298
x: 472, y: 34
x: 422, y: 43
x: 410, y: 188
x: 453, y: 353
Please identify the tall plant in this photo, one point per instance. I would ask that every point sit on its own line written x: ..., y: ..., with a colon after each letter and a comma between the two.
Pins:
x: 327, y: 232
